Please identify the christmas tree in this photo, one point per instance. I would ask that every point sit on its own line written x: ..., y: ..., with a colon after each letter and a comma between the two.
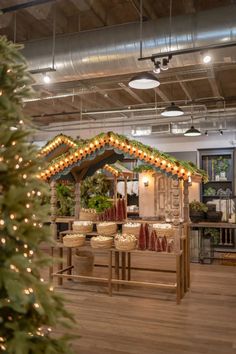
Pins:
x: 29, y: 308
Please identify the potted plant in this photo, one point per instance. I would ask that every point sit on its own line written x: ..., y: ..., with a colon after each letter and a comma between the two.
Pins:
x: 221, y: 168
x: 214, y: 234
x: 197, y: 211
x: 99, y: 203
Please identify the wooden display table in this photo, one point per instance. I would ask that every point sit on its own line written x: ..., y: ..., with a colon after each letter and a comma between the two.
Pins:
x: 122, y: 269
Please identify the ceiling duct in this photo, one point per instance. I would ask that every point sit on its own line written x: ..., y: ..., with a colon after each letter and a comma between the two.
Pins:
x: 114, y: 50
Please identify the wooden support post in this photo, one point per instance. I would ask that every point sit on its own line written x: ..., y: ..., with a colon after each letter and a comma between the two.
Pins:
x: 123, y: 264
x: 178, y: 277
x: 60, y: 264
x: 77, y: 200
x: 69, y: 259
x: 117, y: 268
x: 110, y: 273
x: 115, y: 190
x: 51, y: 266
x: 53, y: 201
x: 187, y: 243
x: 126, y: 196
x: 129, y: 266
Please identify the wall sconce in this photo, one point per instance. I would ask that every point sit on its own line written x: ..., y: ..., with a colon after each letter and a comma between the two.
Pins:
x: 145, y: 181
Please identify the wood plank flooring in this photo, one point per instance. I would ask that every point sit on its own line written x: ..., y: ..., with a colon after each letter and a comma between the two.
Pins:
x: 137, y: 321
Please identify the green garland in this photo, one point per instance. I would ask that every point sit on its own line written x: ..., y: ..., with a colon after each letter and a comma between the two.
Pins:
x: 145, y: 148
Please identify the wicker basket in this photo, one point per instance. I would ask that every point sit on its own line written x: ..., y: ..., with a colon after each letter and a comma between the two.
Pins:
x: 83, y: 228
x: 161, y: 232
x: 97, y: 242
x: 107, y: 229
x: 132, y: 230
x: 125, y: 245
x: 87, y: 215
x: 73, y: 240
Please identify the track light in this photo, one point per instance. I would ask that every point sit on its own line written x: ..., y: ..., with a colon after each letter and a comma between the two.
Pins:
x: 157, y: 68
x: 206, y: 133
x: 46, y: 79
x: 172, y: 111
x: 221, y: 132
x: 164, y: 65
x: 144, y: 81
x: 206, y: 58
x: 192, y: 132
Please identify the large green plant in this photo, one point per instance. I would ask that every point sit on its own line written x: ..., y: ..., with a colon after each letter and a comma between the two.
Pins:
x: 99, y: 203
x: 96, y: 185
x: 65, y: 199
x: 28, y: 305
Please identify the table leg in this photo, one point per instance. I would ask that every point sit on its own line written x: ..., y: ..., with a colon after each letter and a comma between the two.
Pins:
x: 110, y: 273
x: 129, y: 266
x: 60, y: 265
x: 123, y: 265
x: 178, y: 286
x: 69, y: 259
x: 117, y: 268
x: 51, y: 266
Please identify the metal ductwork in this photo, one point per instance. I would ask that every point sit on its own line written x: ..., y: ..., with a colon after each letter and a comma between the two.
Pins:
x: 114, y: 50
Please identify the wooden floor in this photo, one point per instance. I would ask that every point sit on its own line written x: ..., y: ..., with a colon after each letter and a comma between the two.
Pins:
x: 139, y: 322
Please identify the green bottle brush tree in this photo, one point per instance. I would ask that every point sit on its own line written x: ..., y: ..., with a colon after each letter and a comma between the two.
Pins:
x: 29, y: 307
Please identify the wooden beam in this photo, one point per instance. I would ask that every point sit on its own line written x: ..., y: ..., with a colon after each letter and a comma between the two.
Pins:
x: 184, y: 88
x: 162, y: 95
x: 131, y: 92
x: 213, y: 82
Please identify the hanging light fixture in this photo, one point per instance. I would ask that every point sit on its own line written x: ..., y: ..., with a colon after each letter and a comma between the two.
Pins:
x: 172, y: 111
x: 144, y: 81
x: 192, y: 131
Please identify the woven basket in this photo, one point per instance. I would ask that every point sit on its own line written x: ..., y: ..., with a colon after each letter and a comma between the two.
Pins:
x: 96, y: 243
x: 131, y: 230
x: 88, y: 216
x: 83, y: 229
x: 164, y: 232
x: 107, y: 230
x: 75, y: 241
x: 125, y: 245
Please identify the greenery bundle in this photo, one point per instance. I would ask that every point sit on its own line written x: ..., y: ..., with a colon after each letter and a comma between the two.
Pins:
x: 28, y: 305
x: 94, y: 186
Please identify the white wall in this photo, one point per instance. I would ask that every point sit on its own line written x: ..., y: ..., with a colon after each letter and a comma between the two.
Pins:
x: 167, y: 144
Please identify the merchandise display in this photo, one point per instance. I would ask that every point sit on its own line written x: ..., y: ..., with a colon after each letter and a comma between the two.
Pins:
x: 75, y: 240
x: 101, y: 242
x: 83, y: 227
x: 125, y: 242
x: 131, y: 228
x: 106, y: 228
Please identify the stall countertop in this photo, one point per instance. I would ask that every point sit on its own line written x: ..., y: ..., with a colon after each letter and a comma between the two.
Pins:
x: 218, y: 225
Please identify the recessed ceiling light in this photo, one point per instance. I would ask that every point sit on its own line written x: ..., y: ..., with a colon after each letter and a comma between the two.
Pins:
x: 144, y: 81
x: 206, y: 58
x: 46, y: 79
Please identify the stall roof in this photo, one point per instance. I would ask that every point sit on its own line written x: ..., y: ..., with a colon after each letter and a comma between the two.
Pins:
x: 118, y: 170
x: 81, y: 159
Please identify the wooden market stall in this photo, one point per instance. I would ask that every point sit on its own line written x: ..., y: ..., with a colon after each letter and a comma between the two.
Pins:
x: 166, y: 189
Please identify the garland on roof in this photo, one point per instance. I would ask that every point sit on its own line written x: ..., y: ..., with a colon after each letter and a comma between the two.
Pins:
x: 145, y: 153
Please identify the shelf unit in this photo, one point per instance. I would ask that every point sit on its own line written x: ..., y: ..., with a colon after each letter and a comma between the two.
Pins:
x: 208, y: 160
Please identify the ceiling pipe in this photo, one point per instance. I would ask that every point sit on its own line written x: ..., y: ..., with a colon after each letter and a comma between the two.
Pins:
x: 114, y: 50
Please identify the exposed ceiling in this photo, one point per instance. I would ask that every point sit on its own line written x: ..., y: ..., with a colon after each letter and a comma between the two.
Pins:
x: 206, y: 91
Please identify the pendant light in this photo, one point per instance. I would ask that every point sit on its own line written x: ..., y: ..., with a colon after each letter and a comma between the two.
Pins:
x: 144, y: 81
x: 172, y: 111
x: 192, y: 131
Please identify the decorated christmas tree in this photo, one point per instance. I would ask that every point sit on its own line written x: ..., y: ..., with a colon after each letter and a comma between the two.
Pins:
x: 29, y: 308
